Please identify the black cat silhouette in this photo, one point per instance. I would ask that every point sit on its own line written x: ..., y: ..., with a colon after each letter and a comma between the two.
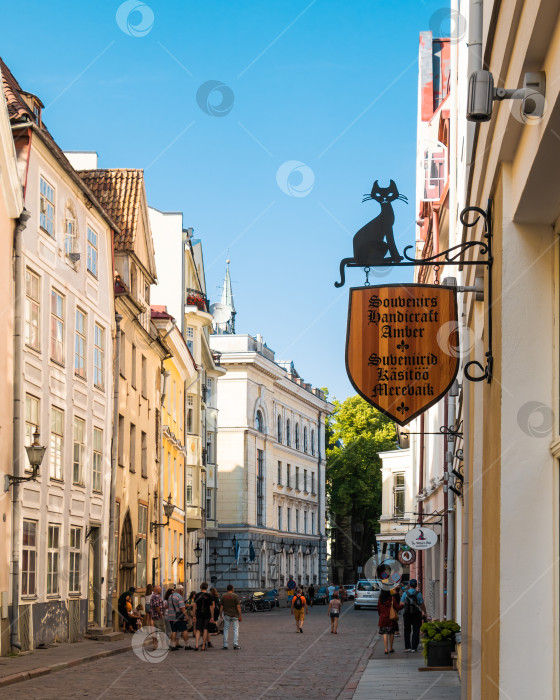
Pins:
x: 374, y: 240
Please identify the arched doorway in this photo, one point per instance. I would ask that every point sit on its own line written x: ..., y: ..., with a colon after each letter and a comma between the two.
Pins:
x: 126, y: 555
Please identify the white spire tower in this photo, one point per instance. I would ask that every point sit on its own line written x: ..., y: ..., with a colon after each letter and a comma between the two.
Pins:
x: 224, y: 310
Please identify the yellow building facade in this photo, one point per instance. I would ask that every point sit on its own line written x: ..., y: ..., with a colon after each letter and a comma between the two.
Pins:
x: 180, y: 373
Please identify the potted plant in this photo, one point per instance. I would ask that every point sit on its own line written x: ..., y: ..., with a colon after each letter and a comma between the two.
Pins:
x: 438, y: 638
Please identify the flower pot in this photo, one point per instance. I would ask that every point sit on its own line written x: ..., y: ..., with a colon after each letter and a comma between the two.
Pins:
x: 439, y: 653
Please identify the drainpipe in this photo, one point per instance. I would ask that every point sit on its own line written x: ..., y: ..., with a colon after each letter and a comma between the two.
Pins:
x: 476, y: 15
x: 111, y: 554
x: 445, y: 507
x: 165, y: 378
x: 420, y: 568
x: 16, y: 437
x: 320, y: 516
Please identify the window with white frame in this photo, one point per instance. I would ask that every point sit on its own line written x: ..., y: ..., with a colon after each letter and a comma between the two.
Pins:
x: 78, y: 452
x: 75, y: 552
x: 57, y: 327
x: 297, y: 478
x: 57, y: 443
x: 209, y: 391
x: 312, y: 482
x: 80, y: 344
x: 46, y: 207
x: 399, y: 492
x: 279, y: 473
x: 29, y: 558
x: 92, y: 251
x: 210, y: 504
x: 97, y: 459
x: 297, y: 436
x: 211, y: 447
x: 190, y: 413
x: 305, y: 479
x: 142, y: 549
x: 69, y: 233
x: 312, y: 442
x: 305, y: 439
x: 279, y: 428
x: 189, y: 486
x: 53, y: 558
x: 288, y: 436
x: 190, y: 338
x: 99, y: 356
x: 32, y: 309
x: 288, y: 475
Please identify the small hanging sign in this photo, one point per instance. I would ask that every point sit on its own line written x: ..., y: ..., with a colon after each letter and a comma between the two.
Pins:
x: 402, y: 346
x: 407, y: 556
x: 421, y: 538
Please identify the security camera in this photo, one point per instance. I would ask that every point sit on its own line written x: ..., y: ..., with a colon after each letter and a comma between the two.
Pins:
x: 480, y: 97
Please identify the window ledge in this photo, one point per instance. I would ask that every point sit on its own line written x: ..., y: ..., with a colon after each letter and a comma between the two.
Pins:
x: 77, y: 375
x: 30, y: 347
x: 56, y: 362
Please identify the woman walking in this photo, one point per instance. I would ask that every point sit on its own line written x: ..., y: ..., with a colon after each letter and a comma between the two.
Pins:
x: 149, y: 593
x: 386, y: 604
x: 334, y: 609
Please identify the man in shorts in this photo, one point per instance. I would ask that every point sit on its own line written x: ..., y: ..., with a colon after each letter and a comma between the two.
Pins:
x: 299, y: 608
x: 204, y: 611
x: 177, y: 616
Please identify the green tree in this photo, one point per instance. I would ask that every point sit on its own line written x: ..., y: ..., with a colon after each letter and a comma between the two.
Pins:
x: 356, y: 434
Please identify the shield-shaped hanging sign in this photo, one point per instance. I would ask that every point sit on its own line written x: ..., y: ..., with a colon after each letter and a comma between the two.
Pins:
x: 402, y: 346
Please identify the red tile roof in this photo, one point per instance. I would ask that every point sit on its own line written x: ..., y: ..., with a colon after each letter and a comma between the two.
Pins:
x: 160, y: 312
x: 119, y: 191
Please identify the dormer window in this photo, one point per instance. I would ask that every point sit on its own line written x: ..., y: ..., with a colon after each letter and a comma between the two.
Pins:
x: 37, y: 112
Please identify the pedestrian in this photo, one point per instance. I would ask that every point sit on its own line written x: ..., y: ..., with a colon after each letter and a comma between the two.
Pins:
x: 149, y: 593
x: 342, y: 593
x: 121, y: 606
x: 204, y: 613
x: 414, y: 610
x: 385, y: 605
x: 311, y: 591
x: 299, y: 609
x: 230, y: 609
x: 213, y: 625
x: 177, y: 616
x: 156, y: 613
x: 397, y: 593
x: 330, y: 590
x: 335, y: 606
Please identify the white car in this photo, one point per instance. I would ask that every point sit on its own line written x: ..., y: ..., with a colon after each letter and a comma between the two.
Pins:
x: 367, y: 594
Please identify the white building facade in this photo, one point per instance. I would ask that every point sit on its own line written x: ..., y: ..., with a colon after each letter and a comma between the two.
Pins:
x: 271, y: 497
x: 63, y: 385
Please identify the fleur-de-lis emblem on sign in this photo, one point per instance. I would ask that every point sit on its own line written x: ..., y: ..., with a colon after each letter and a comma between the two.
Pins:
x: 402, y: 346
x: 402, y: 408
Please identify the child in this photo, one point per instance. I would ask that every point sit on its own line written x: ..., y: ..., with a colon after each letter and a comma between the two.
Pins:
x: 334, y: 611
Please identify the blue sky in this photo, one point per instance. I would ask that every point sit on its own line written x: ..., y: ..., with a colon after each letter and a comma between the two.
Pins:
x: 331, y: 85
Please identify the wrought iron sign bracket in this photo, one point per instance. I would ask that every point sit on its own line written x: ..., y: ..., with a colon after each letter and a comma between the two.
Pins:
x: 454, y: 256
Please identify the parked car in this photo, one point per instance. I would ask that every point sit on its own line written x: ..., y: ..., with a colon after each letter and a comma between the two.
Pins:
x: 366, y: 594
x: 321, y: 596
x: 350, y: 589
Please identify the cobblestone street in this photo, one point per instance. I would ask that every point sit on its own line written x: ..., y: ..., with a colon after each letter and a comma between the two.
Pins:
x: 274, y: 662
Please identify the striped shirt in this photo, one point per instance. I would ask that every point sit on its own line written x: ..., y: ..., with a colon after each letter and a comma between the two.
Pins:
x: 174, y: 604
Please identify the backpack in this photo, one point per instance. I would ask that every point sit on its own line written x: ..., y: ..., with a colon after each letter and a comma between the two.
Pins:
x: 298, y: 602
x: 410, y: 604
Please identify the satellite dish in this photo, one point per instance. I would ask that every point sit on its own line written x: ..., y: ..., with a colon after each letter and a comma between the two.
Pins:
x: 221, y: 313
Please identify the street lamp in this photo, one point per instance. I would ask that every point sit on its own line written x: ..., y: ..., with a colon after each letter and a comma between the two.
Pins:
x: 281, y: 548
x: 215, y: 556
x: 168, y: 509
x: 197, y: 554
x: 35, y: 454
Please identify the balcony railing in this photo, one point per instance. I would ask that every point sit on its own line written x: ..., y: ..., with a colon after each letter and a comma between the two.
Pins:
x: 196, y: 298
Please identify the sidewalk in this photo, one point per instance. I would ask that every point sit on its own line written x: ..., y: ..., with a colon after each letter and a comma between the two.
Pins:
x: 14, y: 669
x: 396, y: 677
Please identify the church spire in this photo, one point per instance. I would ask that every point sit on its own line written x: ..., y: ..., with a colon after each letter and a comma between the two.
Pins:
x: 224, y: 311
